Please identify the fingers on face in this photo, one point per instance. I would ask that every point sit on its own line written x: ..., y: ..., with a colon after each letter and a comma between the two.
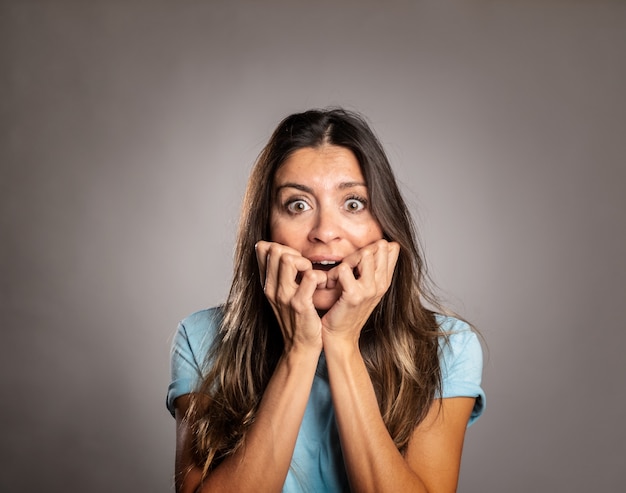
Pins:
x: 286, y: 274
x: 392, y: 257
x: 371, y: 267
x: 280, y: 267
x: 302, y: 296
x: 262, y: 248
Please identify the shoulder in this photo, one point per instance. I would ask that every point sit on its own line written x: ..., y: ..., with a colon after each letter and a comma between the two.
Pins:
x: 200, y: 327
x: 457, y: 337
x: 461, y: 360
x: 190, y: 347
x: 195, y: 334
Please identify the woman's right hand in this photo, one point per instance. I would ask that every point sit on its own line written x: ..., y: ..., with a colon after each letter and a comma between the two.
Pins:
x: 289, y: 281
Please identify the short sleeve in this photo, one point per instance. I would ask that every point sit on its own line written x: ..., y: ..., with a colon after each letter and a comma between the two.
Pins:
x: 461, y: 361
x: 192, y: 341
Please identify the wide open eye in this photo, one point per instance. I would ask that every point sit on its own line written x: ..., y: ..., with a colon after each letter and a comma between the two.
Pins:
x: 355, y: 204
x: 297, y: 206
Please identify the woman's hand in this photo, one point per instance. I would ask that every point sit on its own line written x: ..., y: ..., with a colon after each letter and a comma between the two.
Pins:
x: 289, y: 282
x: 364, y: 277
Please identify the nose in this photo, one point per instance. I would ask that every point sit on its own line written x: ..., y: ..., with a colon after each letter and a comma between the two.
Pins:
x: 326, y: 226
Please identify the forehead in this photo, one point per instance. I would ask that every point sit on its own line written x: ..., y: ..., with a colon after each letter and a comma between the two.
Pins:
x: 326, y: 166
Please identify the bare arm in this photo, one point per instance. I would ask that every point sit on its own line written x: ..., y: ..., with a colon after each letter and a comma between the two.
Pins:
x: 373, y: 462
x: 262, y: 464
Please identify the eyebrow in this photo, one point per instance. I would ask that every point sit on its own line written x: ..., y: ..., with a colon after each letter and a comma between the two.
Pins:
x: 304, y: 188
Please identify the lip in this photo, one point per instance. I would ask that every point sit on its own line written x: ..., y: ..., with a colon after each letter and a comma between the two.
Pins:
x: 325, y: 262
x: 319, y: 259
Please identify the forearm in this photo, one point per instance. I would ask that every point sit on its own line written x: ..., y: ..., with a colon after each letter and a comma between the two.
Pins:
x: 262, y: 463
x: 373, y: 462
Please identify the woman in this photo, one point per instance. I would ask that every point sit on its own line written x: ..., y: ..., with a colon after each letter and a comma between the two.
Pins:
x: 324, y: 370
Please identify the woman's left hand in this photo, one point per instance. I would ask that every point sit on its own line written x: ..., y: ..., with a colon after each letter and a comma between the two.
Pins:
x: 364, y: 277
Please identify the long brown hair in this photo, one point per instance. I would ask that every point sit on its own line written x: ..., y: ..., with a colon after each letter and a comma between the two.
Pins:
x: 399, y: 342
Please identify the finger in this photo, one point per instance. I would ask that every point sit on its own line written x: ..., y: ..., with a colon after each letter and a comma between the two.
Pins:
x: 349, y: 265
x: 373, y: 268
x: 360, y: 259
x: 282, y: 267
x: 382, y: 270
x: 262, y: 249
x: 272, y: 268
x: 386, y: 259
x: 392, y: 258
x: 367, y: 268
x: 311, y: 280
x: 288, y: 274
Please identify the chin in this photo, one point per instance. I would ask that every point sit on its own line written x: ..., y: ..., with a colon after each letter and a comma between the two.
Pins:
x: 323, y: 300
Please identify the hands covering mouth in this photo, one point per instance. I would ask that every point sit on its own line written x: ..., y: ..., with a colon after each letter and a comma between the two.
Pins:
x: 284, y: 268
x: 322, y: 299
x: 323, y: 266
x: 327, y: 266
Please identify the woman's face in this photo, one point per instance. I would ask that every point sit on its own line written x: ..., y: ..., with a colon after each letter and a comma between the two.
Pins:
x: 321, y: 209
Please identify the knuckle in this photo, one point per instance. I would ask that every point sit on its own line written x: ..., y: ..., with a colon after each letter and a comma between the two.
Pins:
x: 271, y: 250
x: 344, y: 268
x: 367, y: 254
x: 269, y: 294
x: 297, y: 305
x: 286, y: 259
x: 313, y: 275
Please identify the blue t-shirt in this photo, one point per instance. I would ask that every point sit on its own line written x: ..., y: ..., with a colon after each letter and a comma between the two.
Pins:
x: 317, y: 463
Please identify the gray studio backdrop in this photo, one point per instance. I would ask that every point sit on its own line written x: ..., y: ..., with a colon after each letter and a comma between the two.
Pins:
x: 128, y: 130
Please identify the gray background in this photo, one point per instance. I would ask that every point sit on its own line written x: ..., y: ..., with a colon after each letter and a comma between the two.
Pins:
x: 127, y: 133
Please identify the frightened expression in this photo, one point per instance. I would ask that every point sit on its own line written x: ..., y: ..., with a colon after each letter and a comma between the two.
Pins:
x: 321, y: 209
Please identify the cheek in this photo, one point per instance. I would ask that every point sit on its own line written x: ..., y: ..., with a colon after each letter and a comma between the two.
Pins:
x: 284, y: 234
x: 276, y: 229
x: 372, y: 233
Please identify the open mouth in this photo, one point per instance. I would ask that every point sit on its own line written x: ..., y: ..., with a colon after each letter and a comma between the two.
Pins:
x: 325, y: 265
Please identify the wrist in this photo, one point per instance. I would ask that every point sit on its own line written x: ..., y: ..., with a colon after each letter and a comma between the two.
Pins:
x: 343, y: 345
x: 300, y: 352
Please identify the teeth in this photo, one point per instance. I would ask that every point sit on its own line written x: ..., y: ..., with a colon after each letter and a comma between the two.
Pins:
x: 327, y: 262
